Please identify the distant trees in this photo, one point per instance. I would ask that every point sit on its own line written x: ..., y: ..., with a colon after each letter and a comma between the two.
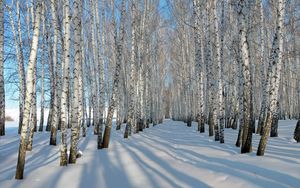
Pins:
x: 238, y: 84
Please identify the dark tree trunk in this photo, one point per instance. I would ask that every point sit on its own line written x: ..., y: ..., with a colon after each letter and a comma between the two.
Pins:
x: 297, y: 132
x: 189, y: 122
x: 210, y: 123
x: 274, y: 127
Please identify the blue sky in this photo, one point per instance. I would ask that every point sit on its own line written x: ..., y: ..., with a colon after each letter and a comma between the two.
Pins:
x: 11, y: 89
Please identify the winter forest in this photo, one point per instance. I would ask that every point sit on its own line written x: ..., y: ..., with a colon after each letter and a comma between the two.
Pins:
x: 149, y: 93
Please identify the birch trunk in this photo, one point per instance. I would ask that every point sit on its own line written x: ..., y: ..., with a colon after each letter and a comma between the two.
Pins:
x: 54, y: 109
x: 276, y: 61
x: 100, y: 68
x: 262, y: 71
x: 199, y: 64
x: 29, y: 91
x: 240, y: 103
x: 82, y: 90
x: 111, y: 108
x: 209, y: 71
x: 41, y: 127
x: 21, y: 69
x: 102, y: 88
x: 214, y: 69
x: 220, y: 111
x: 51, y: 70
x: 77, y: 4
x: 244, y: 45
x: 95, y: 68
x: 65, y: 86
x: 130, y: 115
x: 33, y: 118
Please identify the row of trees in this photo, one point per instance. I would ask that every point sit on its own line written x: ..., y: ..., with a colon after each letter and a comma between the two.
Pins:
x: 87, y: 61
x: 236, y: 62
x: 217, y: 62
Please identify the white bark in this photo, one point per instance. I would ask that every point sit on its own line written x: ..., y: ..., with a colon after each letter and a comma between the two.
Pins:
x: 29, y: 92
x: 54, y: 114
x: 244, y: 45
x: 66, y: 83
x: 132, y: 88
x: 95, y: 67
x: 43, y: 70
x: 262, y: 70
x: 276, y: 61
x: 77, y: 4
x: 115, y: 86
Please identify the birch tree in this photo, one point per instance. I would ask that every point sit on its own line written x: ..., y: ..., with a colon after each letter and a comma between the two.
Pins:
x: 247, y: 129
x: 66, y: 82
x: 218, y: 57
x: 95, y: 89
x: 77, y: 13
x: 199, y: 63
x: 130, y: 116
x: 54, y: 109
x: 29, y: 92
x: 276, y: 62
x: 42, y: 99
x: 262, y: 70
x: 115, y: 86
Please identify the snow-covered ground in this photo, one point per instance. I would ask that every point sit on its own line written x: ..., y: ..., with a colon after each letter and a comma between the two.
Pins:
x: 167, y: 155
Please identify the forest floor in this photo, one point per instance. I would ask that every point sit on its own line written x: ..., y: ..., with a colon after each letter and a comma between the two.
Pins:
x: 167, y: 155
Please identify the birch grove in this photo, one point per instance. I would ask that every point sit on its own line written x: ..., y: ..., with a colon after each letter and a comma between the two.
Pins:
x: 105, y: 67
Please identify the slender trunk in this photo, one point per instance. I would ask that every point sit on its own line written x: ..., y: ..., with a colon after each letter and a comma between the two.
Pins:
x: 77, y: 4
x: 219, y: 56
x: 22, y: 80
x: 209, y: 71
x: 32, y: 122
x: 100, y: 68
x: 276, y: 61
x: 43, y: 71
x: 50, y: 63
x: 240, y: 103
x: 65, y: 86
x: 29, y: 91
x: 262, y: 71
x: 82, y: 90
x: 244, y: 46
x: 111, y: 108
x: 130, y: 115
x: 54, y: 114
x: 95, y: 42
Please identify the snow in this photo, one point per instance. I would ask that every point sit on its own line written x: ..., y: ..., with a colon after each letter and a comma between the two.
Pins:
x: 167, y: 155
